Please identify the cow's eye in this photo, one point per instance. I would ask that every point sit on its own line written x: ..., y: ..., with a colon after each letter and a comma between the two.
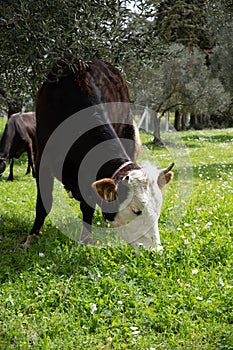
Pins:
x: 136, y: 211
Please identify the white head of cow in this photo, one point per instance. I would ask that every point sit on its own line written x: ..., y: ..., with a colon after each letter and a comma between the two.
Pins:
x: 137, y: 218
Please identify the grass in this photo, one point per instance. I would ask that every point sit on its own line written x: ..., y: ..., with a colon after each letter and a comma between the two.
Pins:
x: 60, y: 295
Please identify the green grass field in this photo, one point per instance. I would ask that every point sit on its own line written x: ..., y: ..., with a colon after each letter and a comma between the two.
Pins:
x: 61, y: 295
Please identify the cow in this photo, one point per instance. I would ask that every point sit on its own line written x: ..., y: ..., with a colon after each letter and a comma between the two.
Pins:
x: 87, y: 103
x: 18, y: 137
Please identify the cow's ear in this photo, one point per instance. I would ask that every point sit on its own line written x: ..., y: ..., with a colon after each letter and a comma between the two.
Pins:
x: 165, y: 176
x: 164, y: 179
x: 106, y: 189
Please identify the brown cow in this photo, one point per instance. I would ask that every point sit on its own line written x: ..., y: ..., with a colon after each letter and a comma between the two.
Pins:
x: 18, y: 137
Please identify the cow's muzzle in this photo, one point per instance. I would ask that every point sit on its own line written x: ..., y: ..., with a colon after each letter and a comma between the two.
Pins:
x: 2, y: 166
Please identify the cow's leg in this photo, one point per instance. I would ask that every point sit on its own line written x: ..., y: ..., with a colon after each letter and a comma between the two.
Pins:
x: 43, y: 207
x: 11, y: 177
x: 30, y: 162
x: 88, y: 213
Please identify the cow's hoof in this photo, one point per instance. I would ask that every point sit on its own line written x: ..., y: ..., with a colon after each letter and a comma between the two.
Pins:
x: 27, y: 242
x: 86, y: 239
x: 158, y: 250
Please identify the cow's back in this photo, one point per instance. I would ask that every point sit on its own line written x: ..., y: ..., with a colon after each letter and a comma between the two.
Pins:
x: 73, y: 87
x: 24, y: 124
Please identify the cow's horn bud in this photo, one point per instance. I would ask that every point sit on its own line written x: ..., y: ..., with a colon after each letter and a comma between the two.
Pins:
x: 166, y: 170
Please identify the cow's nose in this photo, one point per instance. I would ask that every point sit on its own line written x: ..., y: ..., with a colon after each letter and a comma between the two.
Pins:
x: 2, y: 167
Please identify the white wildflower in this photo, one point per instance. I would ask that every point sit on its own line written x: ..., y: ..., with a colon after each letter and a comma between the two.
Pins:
x: 221, y: 282
x: 93, y: 307
x: 135, y: 332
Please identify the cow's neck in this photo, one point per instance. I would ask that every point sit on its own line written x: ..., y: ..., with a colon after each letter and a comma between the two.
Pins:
x: 116, y: 169
x: 6, y: 141
x: 123, y: 170
x: 122, y: 166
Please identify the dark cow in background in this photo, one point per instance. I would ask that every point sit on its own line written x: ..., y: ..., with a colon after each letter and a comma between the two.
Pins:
x: 18, y: 137
x: 129, y: 197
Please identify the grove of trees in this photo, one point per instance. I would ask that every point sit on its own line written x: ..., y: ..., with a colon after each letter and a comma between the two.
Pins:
x: 177, y: 56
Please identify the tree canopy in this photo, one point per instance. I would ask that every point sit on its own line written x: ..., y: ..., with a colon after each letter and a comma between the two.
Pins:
x: 172, y: 53
x: 35, y: 34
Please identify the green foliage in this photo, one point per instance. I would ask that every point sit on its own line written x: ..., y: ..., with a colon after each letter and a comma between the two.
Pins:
x: 138, y: 39
x: 182, y: 81
x: 184, y: 22
x: 62, y: 295
x: 34, y: 35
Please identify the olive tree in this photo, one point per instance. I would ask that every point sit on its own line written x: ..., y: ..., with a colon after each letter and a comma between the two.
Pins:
x: 34, y: 34
x: 181, y: 82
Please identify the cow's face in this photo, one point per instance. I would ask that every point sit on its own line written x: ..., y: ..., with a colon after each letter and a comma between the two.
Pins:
x: 2, y: 165
x: 137, y: 218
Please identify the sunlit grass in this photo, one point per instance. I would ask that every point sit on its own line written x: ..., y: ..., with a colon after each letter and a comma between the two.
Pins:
x: 60, y: 295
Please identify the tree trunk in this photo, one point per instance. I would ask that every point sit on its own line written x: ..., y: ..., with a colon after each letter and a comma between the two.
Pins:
x: 183, y: 122
x: 177, y: 121
x: 193, y: 121
x: 167, y: 117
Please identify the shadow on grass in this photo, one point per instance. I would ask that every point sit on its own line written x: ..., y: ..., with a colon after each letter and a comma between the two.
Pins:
x: 53, y: 251
x: 222, y: 138
x: 14, y: 259
x: 188, y: 141
x: 179, y: 144
x: 211, y: 171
